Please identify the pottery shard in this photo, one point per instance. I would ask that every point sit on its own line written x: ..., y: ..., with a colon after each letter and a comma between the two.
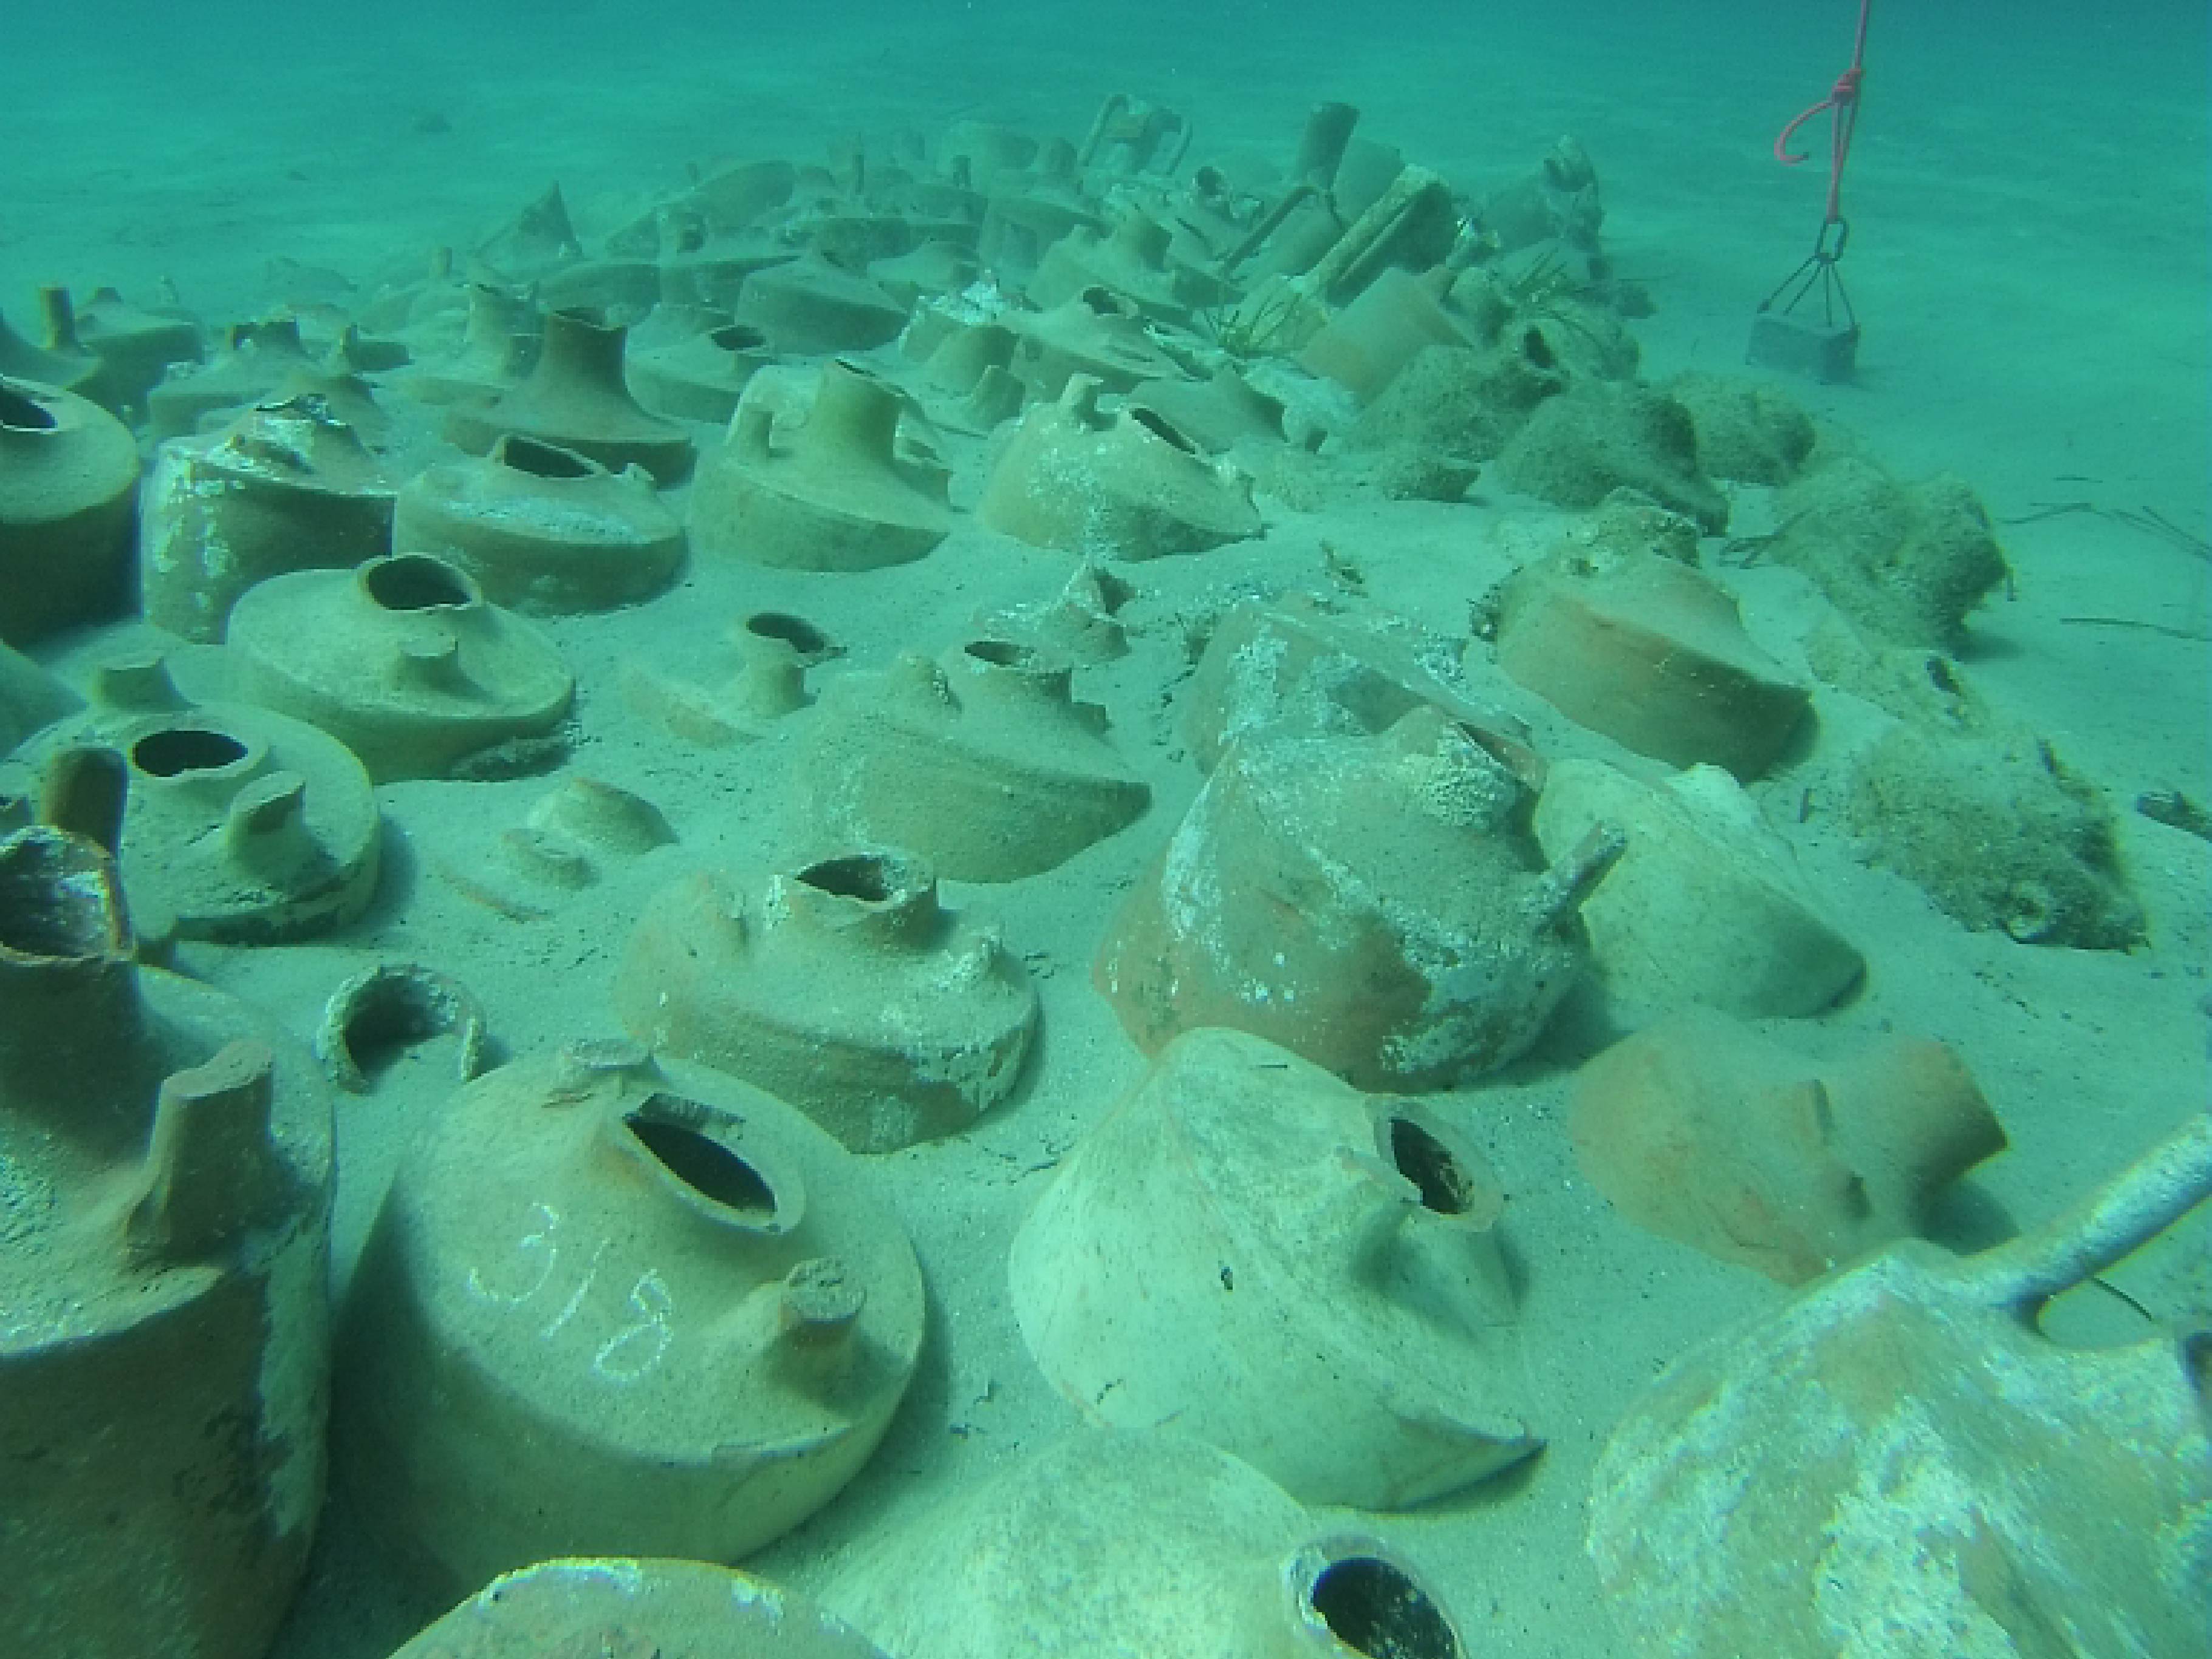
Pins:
x: 1705, y: 1131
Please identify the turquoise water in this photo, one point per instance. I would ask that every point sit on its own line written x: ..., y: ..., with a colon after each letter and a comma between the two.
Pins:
x: 2031, y: 258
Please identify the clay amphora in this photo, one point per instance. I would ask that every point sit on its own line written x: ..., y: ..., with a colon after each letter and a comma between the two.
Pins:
x: 284, y: 486
x: 538, y: 239
x: 832, y: 495
x: 133, y: 347
x: 1092, y: 334
x: 843, y: 987
x: 543, y: 530
x: 1705, y: 1131
x: 1899, y: 1462
x: 164, y: 1347
x: 69, y: 481
x: 702, y: 377
x: 1293, y: 667
x: 65, y: 369
x: 576, y: 398
x: 501, y: 337
x: 774, y: 652
x: 1303, y: 1275
x: 239, y: 824
x: 400, y: 660
x: 1126, y: 485
x: 1300, y: 900
x: 612, y: 1306
x: 252, y: 363
x: 983, y: 763
x: 811, y: 306
x: 1131, y: 261
x: 672, y: 1609
x: 30, y: 698
x: 733, y: 197
x: 1151, y: 1543
x: 1707, y: 907
x: 1369, y: 342
x: 1652, y: 652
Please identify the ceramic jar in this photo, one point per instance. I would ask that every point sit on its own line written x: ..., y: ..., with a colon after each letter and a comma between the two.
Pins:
x: 68, y: 482
x: 543, y: 530
x: 165, y: 1181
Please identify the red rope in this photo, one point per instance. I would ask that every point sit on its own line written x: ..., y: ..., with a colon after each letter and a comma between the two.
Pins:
x: 1843, y: 100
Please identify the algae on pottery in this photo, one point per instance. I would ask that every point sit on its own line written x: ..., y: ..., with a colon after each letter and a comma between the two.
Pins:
x: 843, y: 987
x: 69, y: 480
x: 1598, y: 436
x: 1746, y: 432
x: 165, y: 1190
x: 2000, y: 833
x: 1907, y: 564
x: 402, y: 661
x: 1303, y: 1275
x: 613, y: 1306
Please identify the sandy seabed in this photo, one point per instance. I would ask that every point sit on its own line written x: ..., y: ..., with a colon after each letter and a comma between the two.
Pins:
x: 2030, y: 258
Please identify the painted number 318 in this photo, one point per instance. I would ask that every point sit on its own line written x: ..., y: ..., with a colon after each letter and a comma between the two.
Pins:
x: 632, y: 1352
